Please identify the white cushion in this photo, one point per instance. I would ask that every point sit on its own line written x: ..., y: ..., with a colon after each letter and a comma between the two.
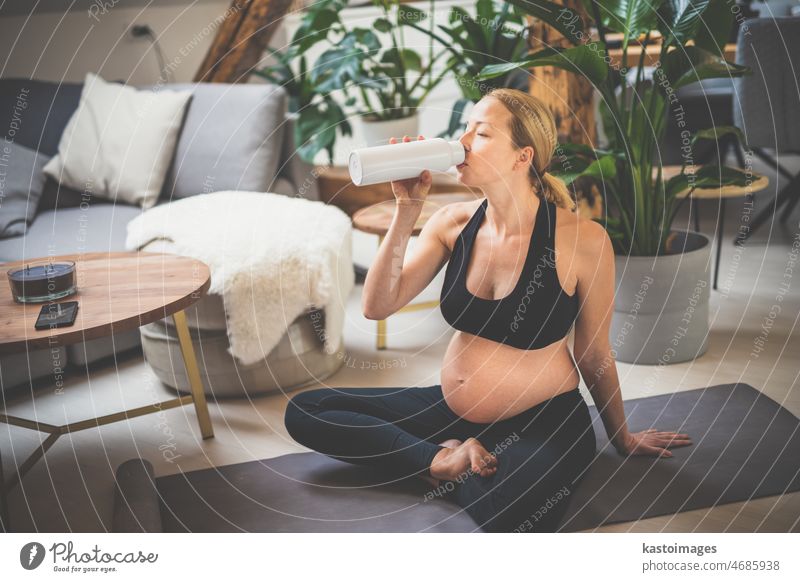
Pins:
x: 119, y: 142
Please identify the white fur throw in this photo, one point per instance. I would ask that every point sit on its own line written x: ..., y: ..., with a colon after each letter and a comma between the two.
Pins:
x: 271, y: 257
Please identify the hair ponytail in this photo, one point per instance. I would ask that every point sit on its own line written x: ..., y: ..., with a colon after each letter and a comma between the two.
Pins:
x: 533, y: 125
x: 555, y: 190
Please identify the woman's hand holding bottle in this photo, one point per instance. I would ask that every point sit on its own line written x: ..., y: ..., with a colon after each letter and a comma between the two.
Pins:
x: 412, y: 191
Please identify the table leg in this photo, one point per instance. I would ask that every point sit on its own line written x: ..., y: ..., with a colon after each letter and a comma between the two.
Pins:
x: 720, y: 231
x: 193, y: 373
x: 4, y: 525
x: 380, y: 341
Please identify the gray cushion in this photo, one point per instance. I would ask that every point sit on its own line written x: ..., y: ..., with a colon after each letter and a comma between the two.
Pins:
x: 98, y: 228
x: 231, y: 139
x: 48, y: 107
x: 21, y: 185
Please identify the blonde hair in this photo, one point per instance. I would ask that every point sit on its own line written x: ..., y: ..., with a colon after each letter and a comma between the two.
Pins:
x: 533, y: 125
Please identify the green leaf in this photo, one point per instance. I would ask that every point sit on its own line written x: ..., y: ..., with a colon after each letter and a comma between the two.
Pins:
x: 716, y: 133
x: 582, y: 149
x: 364, y: 36
x: 676, y: 185
x: 456, y: 114
x: 630, y: 17
x: 602, y: 169
x: 719, y: 176
x: 409, y: 14
x: 686, y: 65
x: 316, y: 129
x: 405, y: 58
x: 571, y: 169
x: 564, y: 20
x: 707, y: 177
x: 476, y: 33
x: 485, y: 10
x: 680, y: 19
x: 712, y: 33
x: 583, y: 60
x: 315, y: 27
x: 382, y: 25
x: 335, y: 67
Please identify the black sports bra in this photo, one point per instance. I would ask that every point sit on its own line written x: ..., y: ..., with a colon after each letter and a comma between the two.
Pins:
x: 535, y: 314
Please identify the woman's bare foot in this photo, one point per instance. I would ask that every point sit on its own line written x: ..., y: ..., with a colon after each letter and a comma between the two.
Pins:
x: 450, y: 444
x: 470, y: 455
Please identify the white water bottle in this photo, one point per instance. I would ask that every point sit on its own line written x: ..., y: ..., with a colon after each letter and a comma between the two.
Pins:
x: 403, y: 160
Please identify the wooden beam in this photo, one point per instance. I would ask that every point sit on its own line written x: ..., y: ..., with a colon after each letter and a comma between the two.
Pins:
x: 241, y: 39
x: 570, y: 98
x: 568, y: 95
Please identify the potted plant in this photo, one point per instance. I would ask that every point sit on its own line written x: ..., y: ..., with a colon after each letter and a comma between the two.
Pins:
x: 391, y: 81
x: 497, y: 34
x: 317, y: 116
x: 355, y: 75
x: 661, y: 303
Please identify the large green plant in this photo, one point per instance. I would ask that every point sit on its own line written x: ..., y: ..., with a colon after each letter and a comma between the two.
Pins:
x: 372, y: 80
x: 635, y: 110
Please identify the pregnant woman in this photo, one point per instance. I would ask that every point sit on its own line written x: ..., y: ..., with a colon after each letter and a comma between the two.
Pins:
x: 507, y: 434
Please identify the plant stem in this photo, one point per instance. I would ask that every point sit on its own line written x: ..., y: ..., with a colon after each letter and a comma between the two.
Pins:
x: 431, y: 15
x: 401, y: 64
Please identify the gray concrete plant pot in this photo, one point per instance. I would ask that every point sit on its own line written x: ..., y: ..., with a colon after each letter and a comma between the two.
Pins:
x: 661, y: 304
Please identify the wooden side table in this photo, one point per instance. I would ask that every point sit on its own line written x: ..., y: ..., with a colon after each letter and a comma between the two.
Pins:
x: 117, y: 292
x: 759, y: 183
x: 377, y: 218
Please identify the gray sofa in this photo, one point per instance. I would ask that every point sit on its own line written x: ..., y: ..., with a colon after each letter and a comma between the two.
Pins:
x: 234, y: 137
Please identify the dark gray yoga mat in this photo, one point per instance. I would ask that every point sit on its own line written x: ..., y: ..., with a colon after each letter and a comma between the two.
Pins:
x: 745, y: 446
x: 301, y: 492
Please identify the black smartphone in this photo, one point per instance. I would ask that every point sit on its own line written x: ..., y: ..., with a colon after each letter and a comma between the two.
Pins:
x: 57, y: 315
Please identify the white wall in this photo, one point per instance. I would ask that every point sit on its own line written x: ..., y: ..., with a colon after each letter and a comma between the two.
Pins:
x: 64, y: 46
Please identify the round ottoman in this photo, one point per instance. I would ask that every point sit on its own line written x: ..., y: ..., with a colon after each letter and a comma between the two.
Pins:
x: 297, y: 360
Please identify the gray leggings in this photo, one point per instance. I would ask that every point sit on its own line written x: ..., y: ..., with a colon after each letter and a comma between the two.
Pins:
x: 541, y: 452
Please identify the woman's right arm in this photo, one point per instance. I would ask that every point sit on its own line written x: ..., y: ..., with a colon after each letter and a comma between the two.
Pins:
x: 391, y: 283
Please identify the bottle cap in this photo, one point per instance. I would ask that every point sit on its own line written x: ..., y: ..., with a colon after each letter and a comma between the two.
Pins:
x: 356, y: 171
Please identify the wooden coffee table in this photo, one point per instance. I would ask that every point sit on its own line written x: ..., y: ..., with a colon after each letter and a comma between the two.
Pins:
x: 117, y: 292
x: 377, y: 218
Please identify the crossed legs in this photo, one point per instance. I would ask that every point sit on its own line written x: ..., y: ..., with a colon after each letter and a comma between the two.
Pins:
x: 401, y: 430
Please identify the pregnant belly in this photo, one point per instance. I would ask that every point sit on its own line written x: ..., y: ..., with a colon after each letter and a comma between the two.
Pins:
x: 484, y: 381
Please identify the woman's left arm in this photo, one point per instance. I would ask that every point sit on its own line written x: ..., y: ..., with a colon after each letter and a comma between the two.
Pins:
x: 592, y: 349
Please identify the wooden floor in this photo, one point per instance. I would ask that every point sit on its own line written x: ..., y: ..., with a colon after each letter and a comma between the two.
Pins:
x: 80, y: 467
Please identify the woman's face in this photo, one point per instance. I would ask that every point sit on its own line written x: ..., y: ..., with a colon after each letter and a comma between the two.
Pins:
x: 490, y: 153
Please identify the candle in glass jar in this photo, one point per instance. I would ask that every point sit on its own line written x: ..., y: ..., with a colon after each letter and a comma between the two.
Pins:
x: 41, y: 281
